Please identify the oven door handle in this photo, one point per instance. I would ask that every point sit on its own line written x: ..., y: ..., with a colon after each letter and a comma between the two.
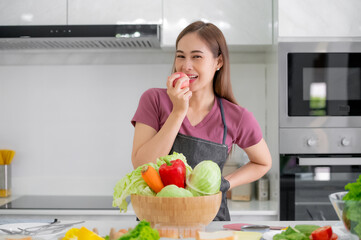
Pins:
x: 331, y: 161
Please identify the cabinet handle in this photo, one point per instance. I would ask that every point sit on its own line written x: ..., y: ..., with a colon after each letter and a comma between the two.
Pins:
x: 328, y: 161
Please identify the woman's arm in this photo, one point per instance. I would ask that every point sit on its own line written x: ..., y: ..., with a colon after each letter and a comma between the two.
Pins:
x: 148, y: 144
x: 260, y: 163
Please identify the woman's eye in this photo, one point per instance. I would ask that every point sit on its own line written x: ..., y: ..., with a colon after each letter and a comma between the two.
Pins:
x: 180, y: 56
x: 197, y: 56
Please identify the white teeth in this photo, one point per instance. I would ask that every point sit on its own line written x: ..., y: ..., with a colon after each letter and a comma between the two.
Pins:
x: 192, y: 76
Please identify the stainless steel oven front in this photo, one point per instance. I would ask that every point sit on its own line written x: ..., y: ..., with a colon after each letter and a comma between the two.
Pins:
x: 319, y: 125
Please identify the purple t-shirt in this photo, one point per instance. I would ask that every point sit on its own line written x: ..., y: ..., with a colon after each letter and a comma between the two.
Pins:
x: 242, y: 128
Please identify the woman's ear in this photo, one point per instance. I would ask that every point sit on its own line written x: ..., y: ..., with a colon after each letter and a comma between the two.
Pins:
x: 219, y: 61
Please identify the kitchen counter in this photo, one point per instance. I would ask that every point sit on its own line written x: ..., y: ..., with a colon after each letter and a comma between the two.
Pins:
x: 104, y: 225
x: 7, y: 199
x: 104, y: 220
x: 252, y: 210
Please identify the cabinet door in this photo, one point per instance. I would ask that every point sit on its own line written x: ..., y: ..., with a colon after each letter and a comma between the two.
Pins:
x: 114, y: 11
x: 321, y: 18
x: 243, y: 22
x: 33, y: 12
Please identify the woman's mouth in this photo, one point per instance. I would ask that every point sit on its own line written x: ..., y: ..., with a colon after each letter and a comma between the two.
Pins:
x: 192, y: 77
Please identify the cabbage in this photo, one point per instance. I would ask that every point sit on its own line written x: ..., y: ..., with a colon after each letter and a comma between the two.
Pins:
x: 194, y: 192
x: 133, y: 183
x: 205, y: 179
x: 174, y: 191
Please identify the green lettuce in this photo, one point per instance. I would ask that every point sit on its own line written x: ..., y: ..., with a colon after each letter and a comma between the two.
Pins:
x: 299, y: 232
x: 205, y: 179
x: 354, y: 190
x: 133, y: 183
x: 143, y: 231
x: 352, y: 207
x: 174, y: 191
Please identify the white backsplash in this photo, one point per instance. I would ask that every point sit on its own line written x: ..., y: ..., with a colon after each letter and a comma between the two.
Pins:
x: 70, y: 124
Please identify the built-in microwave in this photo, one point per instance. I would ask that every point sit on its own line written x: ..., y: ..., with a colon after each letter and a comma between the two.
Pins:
x: 320, y: 84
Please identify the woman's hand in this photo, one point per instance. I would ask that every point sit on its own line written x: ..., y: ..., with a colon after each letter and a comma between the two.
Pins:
x: 179, y: 96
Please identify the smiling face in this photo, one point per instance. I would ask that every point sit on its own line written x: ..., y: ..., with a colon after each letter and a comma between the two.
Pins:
x: 194, y: 58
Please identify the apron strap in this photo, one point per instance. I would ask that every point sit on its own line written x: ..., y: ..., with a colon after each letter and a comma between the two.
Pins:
x: 224, y: 121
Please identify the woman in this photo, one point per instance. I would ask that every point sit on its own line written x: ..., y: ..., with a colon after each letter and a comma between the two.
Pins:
x: 201, y: 121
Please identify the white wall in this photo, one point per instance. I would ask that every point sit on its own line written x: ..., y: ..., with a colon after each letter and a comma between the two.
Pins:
x: 70, y: 124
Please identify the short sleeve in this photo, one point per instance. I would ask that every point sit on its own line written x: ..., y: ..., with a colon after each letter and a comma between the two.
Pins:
x: 250, y: 132
x: 148, y: 110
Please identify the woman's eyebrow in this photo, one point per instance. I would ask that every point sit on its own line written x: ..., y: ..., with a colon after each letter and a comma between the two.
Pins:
x: 194, y: 51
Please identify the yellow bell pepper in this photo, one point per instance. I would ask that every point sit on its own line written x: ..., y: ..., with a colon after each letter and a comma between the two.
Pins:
x: 81, y: 234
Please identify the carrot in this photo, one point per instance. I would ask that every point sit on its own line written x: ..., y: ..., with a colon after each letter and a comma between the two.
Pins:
x: 152, y: 178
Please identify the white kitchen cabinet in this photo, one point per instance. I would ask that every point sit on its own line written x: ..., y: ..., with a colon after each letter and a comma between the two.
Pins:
x: 33, y: 12
x: 115, y: 12
x: 243, y: 22
x: 321, y: 18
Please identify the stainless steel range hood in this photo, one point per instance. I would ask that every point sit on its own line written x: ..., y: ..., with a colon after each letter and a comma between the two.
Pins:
x: 132, y: 36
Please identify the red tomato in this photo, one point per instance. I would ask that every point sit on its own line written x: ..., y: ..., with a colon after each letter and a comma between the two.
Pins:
x: 334, y: 236
x: 322, y: 233
x: 185, y: 83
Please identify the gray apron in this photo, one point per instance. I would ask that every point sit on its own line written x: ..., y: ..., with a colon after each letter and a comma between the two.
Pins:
x: 197, y: 150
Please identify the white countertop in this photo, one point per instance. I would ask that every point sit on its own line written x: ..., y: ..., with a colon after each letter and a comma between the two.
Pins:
x: 103, y: 225
x: 251, y: 208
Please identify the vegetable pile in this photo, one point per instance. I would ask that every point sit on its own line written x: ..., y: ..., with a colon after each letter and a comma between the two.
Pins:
x: 143, y: 231
x: 171, y: 176
x: 352, y: 209
x: 306, y: 232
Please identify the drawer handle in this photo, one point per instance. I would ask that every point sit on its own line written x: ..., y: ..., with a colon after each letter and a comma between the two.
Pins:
x: 331, y: 161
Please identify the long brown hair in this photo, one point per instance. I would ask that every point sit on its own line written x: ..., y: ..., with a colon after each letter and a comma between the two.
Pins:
x: 216, y: 42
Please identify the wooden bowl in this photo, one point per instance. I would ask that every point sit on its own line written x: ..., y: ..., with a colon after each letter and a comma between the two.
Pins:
x: 178, y: 211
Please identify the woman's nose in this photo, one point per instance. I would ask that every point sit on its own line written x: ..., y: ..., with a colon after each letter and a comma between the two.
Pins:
x: 188, y: 65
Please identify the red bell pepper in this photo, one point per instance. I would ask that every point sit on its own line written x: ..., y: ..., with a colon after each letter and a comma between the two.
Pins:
x: 173, y: 172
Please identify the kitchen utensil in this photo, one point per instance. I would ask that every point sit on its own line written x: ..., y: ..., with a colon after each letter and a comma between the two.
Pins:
x: 341, y: 208
x: 39, y: 228
x: 184, y: 214
x: 5, y: 180
x: 10, y: 231
x: 262, y: 186
x: 255, y: 228
x: 239, y: 226
x: 6, y: 156
x: 36, y: 228
x: 2, y: 162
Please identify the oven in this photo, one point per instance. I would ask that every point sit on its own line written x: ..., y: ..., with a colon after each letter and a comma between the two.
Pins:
x: 319, y: 125
x: 306, y: 181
